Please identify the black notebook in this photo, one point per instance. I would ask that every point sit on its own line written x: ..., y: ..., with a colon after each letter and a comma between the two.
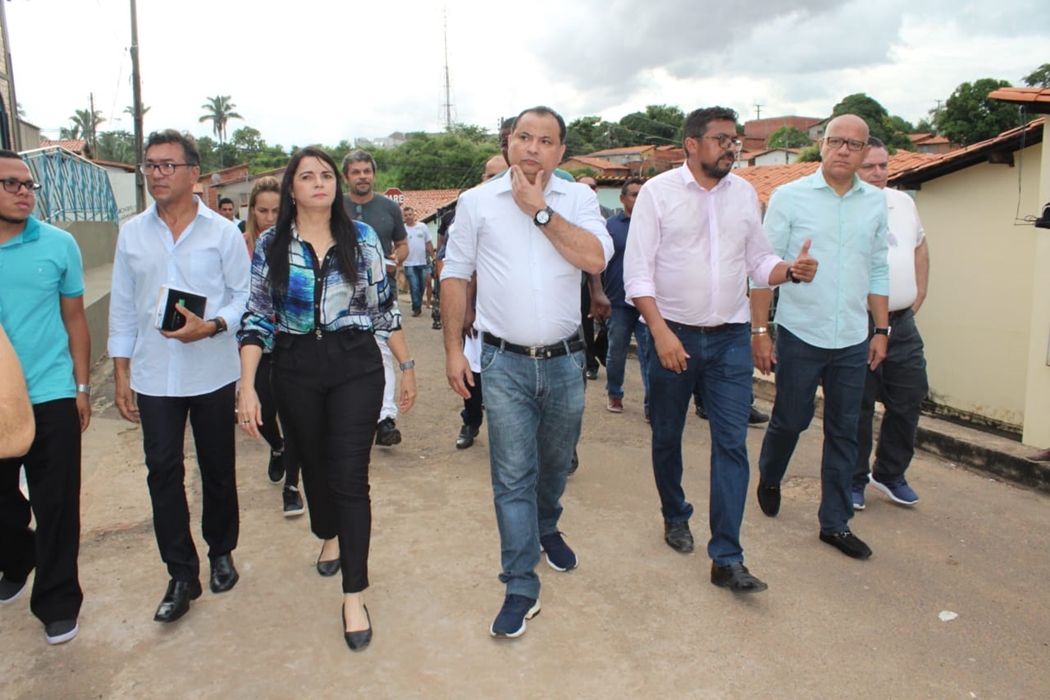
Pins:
x: 168, y: 319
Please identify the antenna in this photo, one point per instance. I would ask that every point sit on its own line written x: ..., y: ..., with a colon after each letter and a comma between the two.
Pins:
x: 447, y: 106
x: 758, y: 111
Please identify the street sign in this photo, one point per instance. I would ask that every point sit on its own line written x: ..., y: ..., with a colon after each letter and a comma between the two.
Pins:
x: 397, y: 195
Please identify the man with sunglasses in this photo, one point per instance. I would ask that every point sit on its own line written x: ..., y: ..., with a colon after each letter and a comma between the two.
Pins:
x: 190, y: 372
x: 695, y: 239
x: 822, y: 326
x: 42, y: 310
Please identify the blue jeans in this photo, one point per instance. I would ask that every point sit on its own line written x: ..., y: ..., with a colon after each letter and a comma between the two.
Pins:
x: 624, y: 321
x: 720, y: 367
x: 534, y: 409
x: 841, y: 372
x: 415, y: 275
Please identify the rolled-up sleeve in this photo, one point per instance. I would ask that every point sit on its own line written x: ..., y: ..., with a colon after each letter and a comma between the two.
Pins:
x: 386, y: 317
x: 643, y: 240
x: 123, y: 322
x: 461, y: 241
x: 589, y: 218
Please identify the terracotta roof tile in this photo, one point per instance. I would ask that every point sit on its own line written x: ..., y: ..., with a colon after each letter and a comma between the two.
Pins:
x: 599, y: 163
x: 427, y: 202
x: 74, y: 145
x: 1031, y: 95
x: 625, y: 149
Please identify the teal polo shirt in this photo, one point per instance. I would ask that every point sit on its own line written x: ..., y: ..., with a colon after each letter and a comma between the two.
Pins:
x: 37, y: 267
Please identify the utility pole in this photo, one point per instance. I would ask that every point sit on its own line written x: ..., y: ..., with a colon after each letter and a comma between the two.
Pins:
x: 758, y: 111
x: 92, y: 125
x: 136, y: 88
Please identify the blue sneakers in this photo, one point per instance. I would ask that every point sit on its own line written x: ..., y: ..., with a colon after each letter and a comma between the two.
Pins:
x: 898, y: 491
x: 858, y: 498
x: 510, y: 622
x: 559, y: 556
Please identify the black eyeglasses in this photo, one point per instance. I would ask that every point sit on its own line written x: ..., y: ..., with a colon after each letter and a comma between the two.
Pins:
x: 13, y: 185
x: 724, y: 140
x: 163, y: 168
x: 835, y: 143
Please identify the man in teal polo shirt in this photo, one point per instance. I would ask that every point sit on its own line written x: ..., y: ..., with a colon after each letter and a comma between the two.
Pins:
x: 42, y: 310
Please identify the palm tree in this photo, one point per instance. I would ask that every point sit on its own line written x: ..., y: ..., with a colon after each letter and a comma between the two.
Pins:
x: 72, y: 133
x: 219, y: 110
x: 130, y: 109
x: 86, y: 123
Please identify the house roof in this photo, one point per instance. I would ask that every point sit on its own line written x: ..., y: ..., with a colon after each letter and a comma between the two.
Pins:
x: 112, y: 164
x: 598, y: 163
x: 428, y: 202
x: 928, y: 139
x: 624, y: 150
x: 766, y: 178
x: 918, y: 172
x: 1034, y: 99
x: 75, y: 145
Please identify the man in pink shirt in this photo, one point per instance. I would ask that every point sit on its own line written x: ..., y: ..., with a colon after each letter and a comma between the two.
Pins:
x: 696, y: 236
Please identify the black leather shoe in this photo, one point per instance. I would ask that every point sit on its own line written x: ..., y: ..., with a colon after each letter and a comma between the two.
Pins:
x: 177, y: 599
x: 327, y: 568
x: 678, y: 536
x: 847, y: 543
x: 736, y: 578
x: 769, y: 498
x: 701, y: 412
x: 757, y: 417
x: 357, y: 640
x: 466, y: 437
x: 223, y: 574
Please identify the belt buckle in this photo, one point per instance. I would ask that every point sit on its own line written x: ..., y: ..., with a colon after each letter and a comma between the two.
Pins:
x: 534, y: 351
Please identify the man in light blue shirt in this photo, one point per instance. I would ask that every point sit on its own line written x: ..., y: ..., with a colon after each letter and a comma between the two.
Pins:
x: 822, y: 326
x: 193, y: 371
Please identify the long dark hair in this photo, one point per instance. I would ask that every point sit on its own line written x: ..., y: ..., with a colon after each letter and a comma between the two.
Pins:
x: 344, y: 231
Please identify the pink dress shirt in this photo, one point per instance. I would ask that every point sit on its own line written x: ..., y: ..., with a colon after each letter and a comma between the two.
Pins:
x: 692, y: 249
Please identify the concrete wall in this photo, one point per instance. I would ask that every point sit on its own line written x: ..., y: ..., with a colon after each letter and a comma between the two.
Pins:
x: 98, y: 243
x: 977, y: 316
x: 1037, y: 405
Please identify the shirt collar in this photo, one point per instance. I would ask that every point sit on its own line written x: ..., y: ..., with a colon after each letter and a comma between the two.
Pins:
x: 202, y: 210
x: 31, y: 232
x: 556, y: 184
x: 818, y: 181
x: 687, y: 178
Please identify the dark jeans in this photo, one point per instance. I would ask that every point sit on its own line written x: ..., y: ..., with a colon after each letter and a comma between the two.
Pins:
x: 900, y: 384
x: 53, y: 474
x: 270, y: 430
x: 472, y: 413
x: 624, y: 321
x: 163, y: 435
x: 720, y: 368
x: 800, y: 368
x: 329, y: 394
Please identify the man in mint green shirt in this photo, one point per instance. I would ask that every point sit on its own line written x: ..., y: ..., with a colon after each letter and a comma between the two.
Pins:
x: 822, y: 326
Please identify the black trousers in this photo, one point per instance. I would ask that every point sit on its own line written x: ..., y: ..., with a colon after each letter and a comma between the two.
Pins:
x: 269, y: 429
x: 163, y: 435
x: 53, y: 474
x: 329, y: 394
x: 472, y: 413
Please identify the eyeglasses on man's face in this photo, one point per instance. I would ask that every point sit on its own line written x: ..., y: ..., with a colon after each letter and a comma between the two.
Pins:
x: 13, y: 185
x: 163, y: 168
x: 725, y: 141
x: 835, y: 143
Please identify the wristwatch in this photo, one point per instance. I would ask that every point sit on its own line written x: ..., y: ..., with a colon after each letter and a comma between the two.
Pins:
x: 407, y: 365
x: 84, y: 389
x: 883, y: 331
x: 220, y: 325
x: 543, y: 216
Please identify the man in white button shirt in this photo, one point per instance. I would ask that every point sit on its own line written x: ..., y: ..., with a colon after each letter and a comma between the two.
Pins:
x: 900, y: 382
x: 179, y: 242
x: 527, y: 235
x: 420, y: 249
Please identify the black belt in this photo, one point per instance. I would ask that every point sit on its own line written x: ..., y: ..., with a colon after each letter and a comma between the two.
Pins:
x: 706, y: 329
x: 558, y: 349
x: 899, y: 312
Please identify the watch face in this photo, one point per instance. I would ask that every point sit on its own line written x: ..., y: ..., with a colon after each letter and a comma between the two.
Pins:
x: 543, y: 216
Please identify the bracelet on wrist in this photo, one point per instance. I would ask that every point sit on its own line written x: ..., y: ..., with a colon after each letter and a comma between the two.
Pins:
x: 84, y: 389
x: 407, y: 365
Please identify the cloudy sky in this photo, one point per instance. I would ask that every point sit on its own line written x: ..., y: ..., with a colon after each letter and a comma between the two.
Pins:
x: 317, y: 71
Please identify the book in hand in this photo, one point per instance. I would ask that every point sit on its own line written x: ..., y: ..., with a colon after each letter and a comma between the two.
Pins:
x: 168, y: 319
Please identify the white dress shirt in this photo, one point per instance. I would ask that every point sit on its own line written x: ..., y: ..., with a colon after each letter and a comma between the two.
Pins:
x: 692, y: 249
x: 208, y: 259
x: 528, y: 294
x: 904, y: 236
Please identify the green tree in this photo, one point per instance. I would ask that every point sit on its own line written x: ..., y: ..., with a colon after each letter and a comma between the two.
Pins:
x: 208, y: 148
x: 116, y: 147
x: 443, y: 161
x: 880, y: 124
x: 789, y: 137
x: 969, y: 115
x: 810, y: 154
x: 474, y: 133
x: 1040, y: 77
x: 219, y: 110
x: 85, y: 125
x: 925, y: 126
x: 69, y: 132
x: 658, y: 125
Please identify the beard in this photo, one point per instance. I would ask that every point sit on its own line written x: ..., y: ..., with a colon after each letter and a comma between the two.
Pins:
x: 717, y: 171
x: 13, y: 220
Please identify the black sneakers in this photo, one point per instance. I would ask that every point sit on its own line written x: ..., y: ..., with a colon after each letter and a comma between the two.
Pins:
x: 387, y: 434
x: 293, y: 502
